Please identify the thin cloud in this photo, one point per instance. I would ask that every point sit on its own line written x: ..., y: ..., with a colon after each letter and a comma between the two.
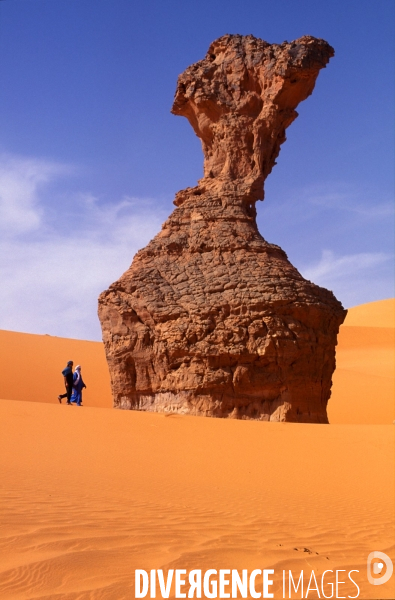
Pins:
x: 330, y: 266
x: 336, y: 197
x: 344, y: 197
x: 354, y: 278
x: 20, y: 182
x: 52, y: 274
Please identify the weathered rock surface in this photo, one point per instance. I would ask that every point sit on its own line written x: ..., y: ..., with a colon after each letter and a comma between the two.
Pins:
x: 210, y: 319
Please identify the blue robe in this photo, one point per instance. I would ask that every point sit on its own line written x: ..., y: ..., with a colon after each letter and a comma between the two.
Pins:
x: 78, y: 386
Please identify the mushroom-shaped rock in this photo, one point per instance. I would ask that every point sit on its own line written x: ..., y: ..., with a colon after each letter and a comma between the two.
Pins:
x: 210, y: 319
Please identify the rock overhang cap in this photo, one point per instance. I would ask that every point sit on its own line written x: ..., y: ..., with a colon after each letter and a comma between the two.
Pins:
x: 240, y: 99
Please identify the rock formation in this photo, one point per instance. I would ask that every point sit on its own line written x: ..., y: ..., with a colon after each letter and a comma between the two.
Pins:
x: 210, y: 319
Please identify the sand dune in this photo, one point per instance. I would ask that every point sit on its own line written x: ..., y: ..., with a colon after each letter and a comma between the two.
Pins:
x: 88, y: 496
x: 32, y: 366
x: 363, y: 383
x: 372, y: 314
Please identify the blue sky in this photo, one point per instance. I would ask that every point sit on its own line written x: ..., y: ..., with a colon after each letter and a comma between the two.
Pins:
x: 91, y: 157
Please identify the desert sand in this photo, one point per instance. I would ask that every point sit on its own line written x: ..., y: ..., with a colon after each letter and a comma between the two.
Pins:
x: 89, y: 495
x: 363, y: 383
x: 32, y: 366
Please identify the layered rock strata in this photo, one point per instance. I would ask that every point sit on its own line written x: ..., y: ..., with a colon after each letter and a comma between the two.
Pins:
x: 210, y: 319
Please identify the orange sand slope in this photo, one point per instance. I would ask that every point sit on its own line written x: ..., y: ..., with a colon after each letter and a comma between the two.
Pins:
x: 363, y: 389
x: 372, y: 314
x: 91, y: 495
x: 32, y: 367
x: 363, y: 383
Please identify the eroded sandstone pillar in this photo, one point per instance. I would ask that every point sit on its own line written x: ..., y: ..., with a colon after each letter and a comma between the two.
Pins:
x: 210, y: 319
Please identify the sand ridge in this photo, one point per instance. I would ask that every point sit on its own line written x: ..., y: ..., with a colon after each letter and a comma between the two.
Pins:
x: 32, y: 366
x: 372, y: 314
x: 364, y: 381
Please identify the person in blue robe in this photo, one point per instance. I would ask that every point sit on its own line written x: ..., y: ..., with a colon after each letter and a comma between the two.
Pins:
x: 78, y: 386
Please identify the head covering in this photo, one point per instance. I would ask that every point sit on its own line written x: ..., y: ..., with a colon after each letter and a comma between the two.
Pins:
x: 70, y: 362
x: 78, y: 368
